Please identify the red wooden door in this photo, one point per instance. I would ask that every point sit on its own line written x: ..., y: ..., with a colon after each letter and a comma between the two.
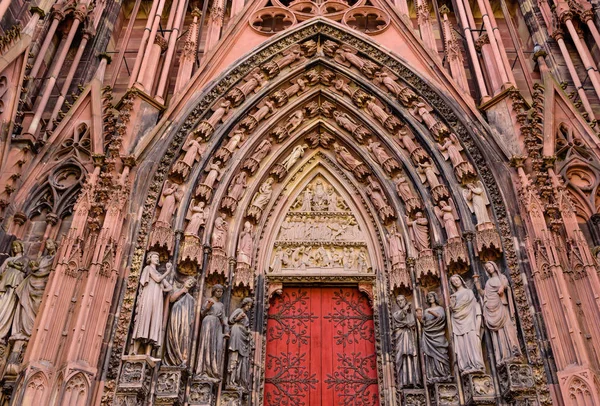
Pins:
x: 320, y: 349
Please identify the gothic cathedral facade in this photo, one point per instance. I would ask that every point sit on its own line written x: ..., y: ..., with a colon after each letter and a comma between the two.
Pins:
x: 299, y: 202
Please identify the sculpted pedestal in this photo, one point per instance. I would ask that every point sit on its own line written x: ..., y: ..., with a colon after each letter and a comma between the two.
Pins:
x: 136, y: 378
x: 479, y: 389
x: 170, y: 385
x: 517, y: 383
x: 413, y: 397
x: 444, y: 394
x: 201, y: 392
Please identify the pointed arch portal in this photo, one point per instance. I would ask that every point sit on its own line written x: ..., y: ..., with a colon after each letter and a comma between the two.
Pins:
x: 322, y: 177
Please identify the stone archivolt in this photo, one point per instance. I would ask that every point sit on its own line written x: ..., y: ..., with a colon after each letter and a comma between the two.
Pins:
x: 314, y: 113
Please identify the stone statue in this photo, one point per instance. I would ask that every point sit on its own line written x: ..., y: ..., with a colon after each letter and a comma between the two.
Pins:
x: 30, y: 293
x: 12, y: 274
x: 263, y: 196
x: 219, y: 234
x: 240, y: 344
x: 213, y: 331
x: 193, y: 152
x: 214, y: 171
x: 296, y: 154
x: 148, y: 323
x: 171, y: 196
x: 382, y: 157
x: 262, y: 150
x: 197, y: 219
x: 403, y: 188
x: 498, y: 313
x: 238, y: 186
x: 407, y: 366
x: 387, y: 79
x: 245, y: 245
x: 451, y: 148
x: 477, y: 201
x: 375, y: 192
x: 179, y: 328
x: 433, y: 340
x: 306, y: 200
x: 447, y: 218
x: 419, y: 228
x: 396, y: 245
x: 466, y: 327
x: 428, y: 174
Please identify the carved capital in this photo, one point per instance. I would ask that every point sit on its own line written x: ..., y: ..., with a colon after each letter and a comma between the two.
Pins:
x: 19, y: 218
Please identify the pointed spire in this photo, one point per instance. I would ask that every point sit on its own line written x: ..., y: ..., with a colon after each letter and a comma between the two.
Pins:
x: 189, y: 54
x: 453, y: 53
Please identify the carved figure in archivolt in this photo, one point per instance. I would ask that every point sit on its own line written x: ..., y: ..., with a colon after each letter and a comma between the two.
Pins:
x: 207, y: 127
x: 251, y: 120
x: 499, y: 313
x: 422, y: 112
x: 359, y: 132
x: 204, y: 189
x: 282, y: 96
x: 246, y: 244
x: 375, y: 192
x: 466, y: 327
x: 478, y: 202
x: 252, y: 82
x: 428, y: 174
x: 261, y: 199
x: 225, y: 152
x: 419, y: 231
x: 320, y: 197
x: 162, y: 234
x: 397, y: 251
x: 290, y: 55
x: 235, y: 191
x: 407, y: 141
x: 12, y: 274
x: 433, y: 340
x: 293, y: 157
x: 447, y: 216
x: 390, y: 122
x: 240, y: 345
x: 347, y: 161
x: 196, y: 217
x: 407, y: 195
x: 347, y: 56
x: 30, y: 292
x: 407, y: 364
x: 450, y: 147
x: 262, y: 150
x: 382, y: 157
x: 147, y: 328
x: 179, y: 328
x: 213, y: 332
x: 218, y: 240
x: 193, y: 152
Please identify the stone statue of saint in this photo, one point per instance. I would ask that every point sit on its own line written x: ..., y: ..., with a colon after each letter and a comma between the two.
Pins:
x: 433, y: 340
x: 179, y: 328
x: 498, y: 313
x: 407, y: 366
x: 148, y: 323
x: 477, y: 200
x: 446, y: 214
x: 213, y: 331
x: 12, y: 273
x: 293, y: 157
x: 245, y: 245
x: 466, y: 327
x: 197, y: 219
x: 219, y: 234
x: 171, y: 195
x: 30, y: 293
x: 240, y: 344
x: 396, y: 245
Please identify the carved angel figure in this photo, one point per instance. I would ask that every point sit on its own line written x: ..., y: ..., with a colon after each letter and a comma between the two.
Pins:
x: 477, y: 201
x: 293, y: 157
x: 378, y: 198
x: 447, y: 216
x: 214, y: 172
x: 235, y: 140
x: 498, y: 313
x: 451, y: 148
x: 220, y: 112
x: 403, y: 188
x: 428, y: 174
x: 193, y: 152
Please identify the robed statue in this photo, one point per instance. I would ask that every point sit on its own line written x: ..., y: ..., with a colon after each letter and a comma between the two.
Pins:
x: 466, y: 327
x: 148, y: 323
x: 179, y: 327
x: 213, y: 332
x: 240, y: 344
x: 433, y: 340
x: 498, y: 313
x: 12, y: 273
x: 407, y: 365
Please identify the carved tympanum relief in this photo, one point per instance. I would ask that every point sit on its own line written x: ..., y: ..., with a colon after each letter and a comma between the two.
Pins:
x: 320, y: 232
